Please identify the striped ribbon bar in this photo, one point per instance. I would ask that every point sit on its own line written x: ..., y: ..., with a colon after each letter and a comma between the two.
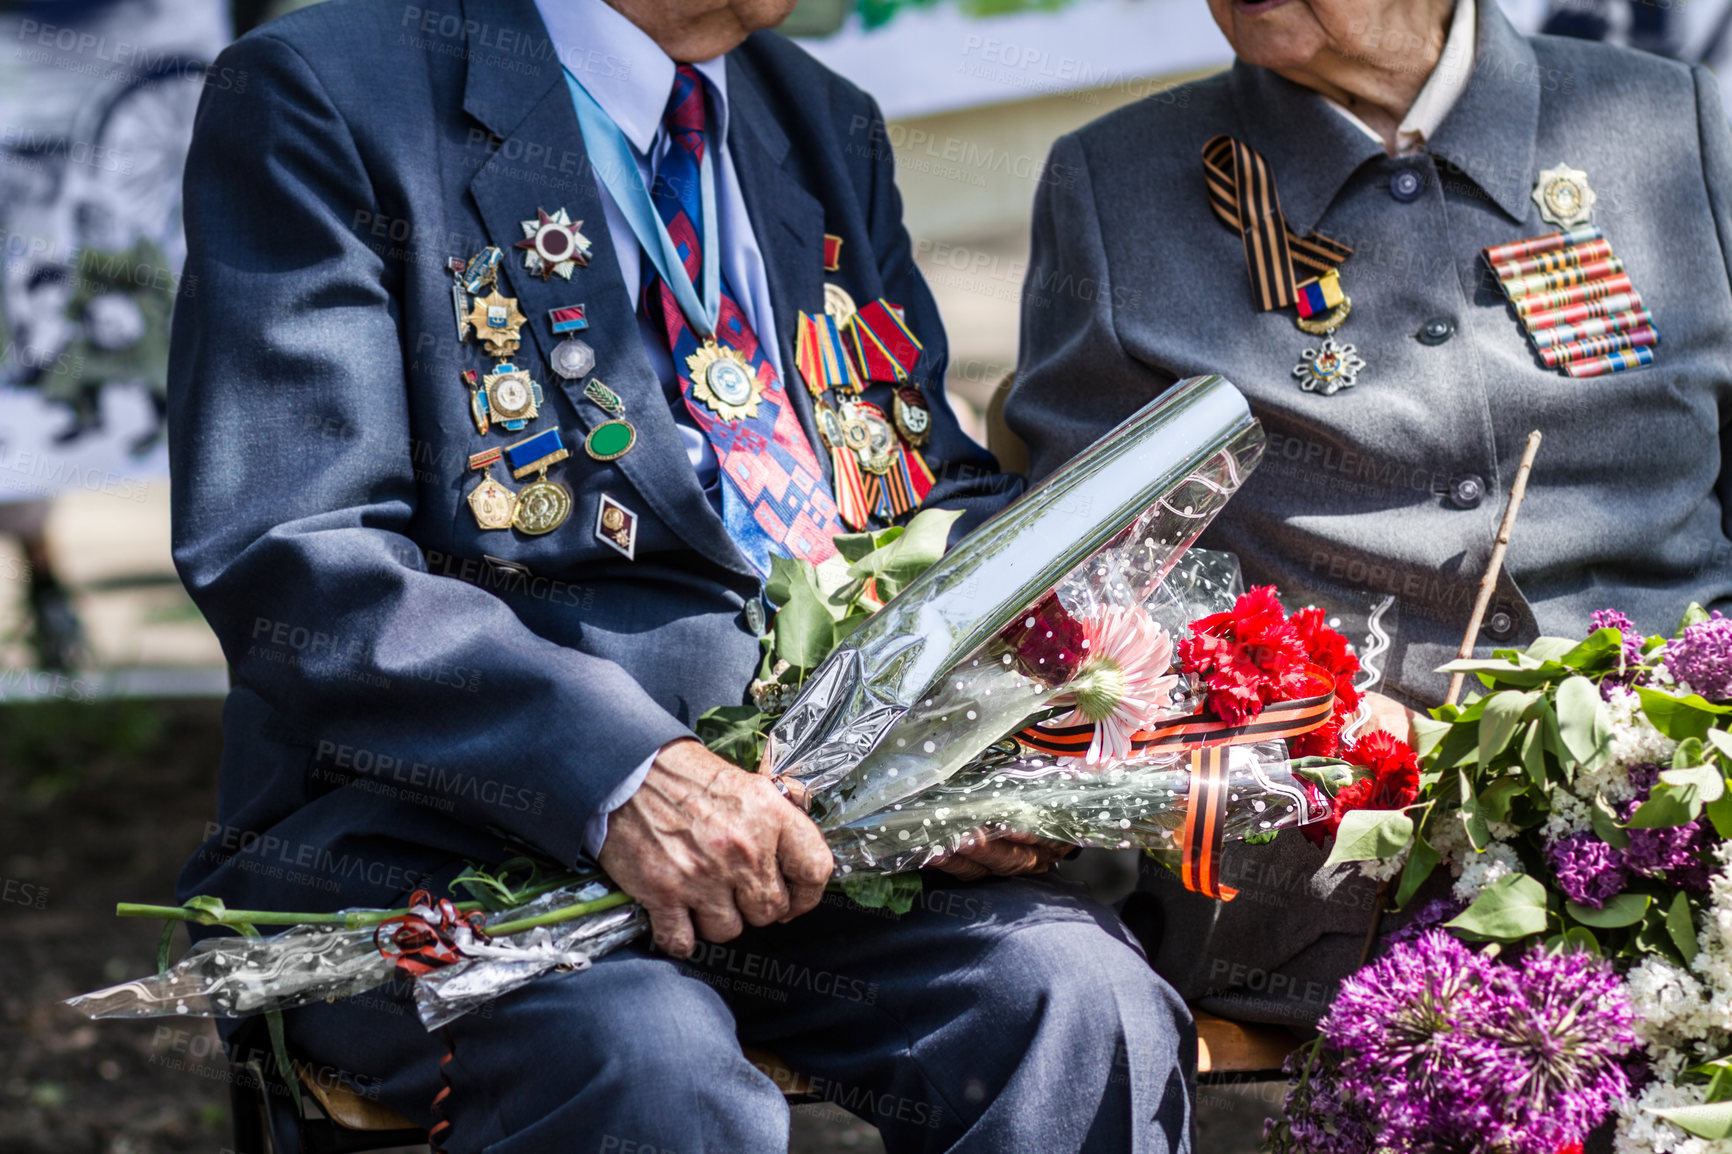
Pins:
x: 1593, y: 347
x: 1533, y: 246
x: 1545, y: 302
x: 1612, y: 363
x: 1242, y: 193
x: 1553, y: 261
x: 1591, y: 327
x: 1205, y: 822
x: 1544, y: 282
x: 1576, y: 314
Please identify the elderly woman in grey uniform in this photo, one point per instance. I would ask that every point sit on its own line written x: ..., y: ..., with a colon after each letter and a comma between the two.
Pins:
x: 1314, y: 224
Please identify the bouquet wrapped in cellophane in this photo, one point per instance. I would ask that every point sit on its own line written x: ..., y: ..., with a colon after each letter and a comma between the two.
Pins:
x: 913, y: 701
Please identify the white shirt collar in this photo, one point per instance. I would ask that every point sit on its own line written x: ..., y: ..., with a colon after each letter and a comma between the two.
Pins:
x: 1448, y: 80
x: 627, y: 72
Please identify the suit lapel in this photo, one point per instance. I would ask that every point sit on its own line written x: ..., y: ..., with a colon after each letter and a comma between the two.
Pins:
x: 541, y: 161
x: 788, y: 223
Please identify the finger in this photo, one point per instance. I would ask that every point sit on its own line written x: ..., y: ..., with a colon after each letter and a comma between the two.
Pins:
x: 718, y: 921
x: 1002, y: 858
x: 671, y: 927
x: 762, y: 898
x: 805, y: 862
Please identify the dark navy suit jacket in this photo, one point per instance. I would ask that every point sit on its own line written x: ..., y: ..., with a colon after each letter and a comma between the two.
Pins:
x: 408, y: 690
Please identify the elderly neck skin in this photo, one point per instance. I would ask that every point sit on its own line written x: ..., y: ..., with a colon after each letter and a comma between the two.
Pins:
x: 1372, y: 56
x: 692, y: 31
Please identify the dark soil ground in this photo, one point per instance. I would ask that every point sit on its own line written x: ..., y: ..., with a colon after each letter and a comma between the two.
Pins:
x: 102, y: 803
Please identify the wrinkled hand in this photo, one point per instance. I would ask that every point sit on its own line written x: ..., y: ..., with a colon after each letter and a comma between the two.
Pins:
x: 703, y: 841
x: 1390, y: 716
x: 1002, y: 855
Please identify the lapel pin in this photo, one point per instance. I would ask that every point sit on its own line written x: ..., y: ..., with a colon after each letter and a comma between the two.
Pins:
x: 614, y: 438
x: 832, y: 252
x: 497, y: 322
x: 552, y: 244
x: 1564, y: 196
x: 616, y: 527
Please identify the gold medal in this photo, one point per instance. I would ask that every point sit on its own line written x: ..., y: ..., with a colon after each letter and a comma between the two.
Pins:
x: 870, y: 436
x: 497, y: 322
x: 913, y: 418
x: 542, y: 506
x: 493, y: 504
x: 838, y: 304
x: 724, y: 382
x: 512, y: 397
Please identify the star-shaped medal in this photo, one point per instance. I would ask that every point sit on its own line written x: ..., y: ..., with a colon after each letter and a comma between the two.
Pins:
x: 1328, y: 368
x: 1564, y: 196
x: 552, y: 244
x: 496, y: 321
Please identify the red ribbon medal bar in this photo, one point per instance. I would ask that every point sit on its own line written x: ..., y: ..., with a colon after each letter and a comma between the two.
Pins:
x: 1576, y: 302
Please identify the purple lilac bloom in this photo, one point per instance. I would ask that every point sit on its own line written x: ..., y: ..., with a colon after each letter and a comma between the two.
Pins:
x: 1633, y: 639
x: 1566, y: 1020
x: 1678, y: 853
x: 1433, y: 913
x: 1318, y: 1119
x: 1409, y: 1029
x: 1703, y: 657
x: 1588, y: 871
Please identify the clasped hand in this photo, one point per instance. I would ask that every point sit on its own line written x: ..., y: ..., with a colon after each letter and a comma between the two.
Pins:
x: 708, y: 848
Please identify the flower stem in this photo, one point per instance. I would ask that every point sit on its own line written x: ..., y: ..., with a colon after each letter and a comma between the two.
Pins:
x: 554, y: 917
x: 235, y: 918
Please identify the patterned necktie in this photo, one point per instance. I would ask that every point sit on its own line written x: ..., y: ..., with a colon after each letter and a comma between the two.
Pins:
x: 774, y: 499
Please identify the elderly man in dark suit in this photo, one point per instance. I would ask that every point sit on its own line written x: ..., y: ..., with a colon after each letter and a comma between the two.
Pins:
x: 1378, y: 148
x: 431, y: 666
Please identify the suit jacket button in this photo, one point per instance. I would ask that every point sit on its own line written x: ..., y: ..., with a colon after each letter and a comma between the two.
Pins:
x: 755, y: 616
x: 1406, y: 185
x: 1466, y: 491
x: 1436, y: 330
x: 1500, y: 623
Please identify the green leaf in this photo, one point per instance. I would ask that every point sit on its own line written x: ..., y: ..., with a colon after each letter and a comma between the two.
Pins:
x: 1709, y: 780
x: 1680, y: 717
x: 1720, y: 814
x: 1428, y: 733
x: 1578, y: 938
x: 280, y: 1052
x: 1623, y: 910
x: 806, y: 622
x: 1713, y: 1120
x: 1471, y: 816
x: 1694, y: 615
x: 893, y: 892
x: 1261, y: 837
x: 1495, y: 799
x: 921, y: 543
x: 1722, y: 741
x: 1604, y: 648
x: 1500, y: 721
x: 1688, y: 753
x: 1682, y: 927
x: 1606, y: 825
x: 1668, y: 805
x: 1553, y: 648
x: 1369, y: 835
x: 1533, y: 749
x: 1420, y: 863
x: 1511, y: 908
x: 735, y: 732
x: 853, y: 546
x: 1719, y: 1080
x: 1578, y: 706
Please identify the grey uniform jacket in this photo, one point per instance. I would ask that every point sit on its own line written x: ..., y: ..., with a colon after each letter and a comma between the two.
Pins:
x: 1393, y: 488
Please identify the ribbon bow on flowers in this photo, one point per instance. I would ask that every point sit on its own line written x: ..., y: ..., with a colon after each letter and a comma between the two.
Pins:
x: 431, y: 936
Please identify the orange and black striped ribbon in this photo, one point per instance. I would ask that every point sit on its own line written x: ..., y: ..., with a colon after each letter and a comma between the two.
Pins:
x: 1242, y: 193
x: 1207, y: 738
x: 1205, y: 822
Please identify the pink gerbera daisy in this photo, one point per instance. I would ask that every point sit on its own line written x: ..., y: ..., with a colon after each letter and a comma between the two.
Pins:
x: 1125, y: 682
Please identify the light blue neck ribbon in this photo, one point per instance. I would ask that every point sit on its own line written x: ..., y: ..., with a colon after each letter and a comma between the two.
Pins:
x: 611, y: 155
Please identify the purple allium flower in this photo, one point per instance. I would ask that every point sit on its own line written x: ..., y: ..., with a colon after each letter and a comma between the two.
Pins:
x: 1633, y: 639
x: 1679, y: 854
x: 1703, y: 657
x: 1433, y: 913
x: 1588, y: 871
x: 1566, y: 1020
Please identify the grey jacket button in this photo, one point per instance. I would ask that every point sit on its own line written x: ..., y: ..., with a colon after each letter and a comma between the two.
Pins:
x: 1500, y: 623
x: 755, y: 616
x: 1466, y: 491
x: 1406, y: 185
x: 1436, y: 330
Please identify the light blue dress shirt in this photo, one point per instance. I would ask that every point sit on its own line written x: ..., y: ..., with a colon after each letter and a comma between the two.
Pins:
x: 631, y: 78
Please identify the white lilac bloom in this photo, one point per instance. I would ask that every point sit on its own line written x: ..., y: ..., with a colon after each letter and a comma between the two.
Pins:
x: 1640, y: 1132
x: 1570, y: 814
x: 1670, y: 1004
x: 1479, y: 870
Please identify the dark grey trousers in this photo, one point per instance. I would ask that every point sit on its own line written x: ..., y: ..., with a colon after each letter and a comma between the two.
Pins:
x: 1004, y: 1015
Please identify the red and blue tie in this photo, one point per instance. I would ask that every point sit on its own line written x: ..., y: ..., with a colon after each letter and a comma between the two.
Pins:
x: 774, y: 499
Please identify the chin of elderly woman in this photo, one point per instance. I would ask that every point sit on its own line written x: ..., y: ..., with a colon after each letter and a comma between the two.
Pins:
x: 1395, y: 142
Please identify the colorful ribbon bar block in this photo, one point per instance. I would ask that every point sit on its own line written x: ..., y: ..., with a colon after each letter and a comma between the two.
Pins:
x: 1319, y: 295
x: 1614, y: 363
x: 1521, y: 249
x: 569, y: 319
x: 535, y: 453
x: 1591, y: 327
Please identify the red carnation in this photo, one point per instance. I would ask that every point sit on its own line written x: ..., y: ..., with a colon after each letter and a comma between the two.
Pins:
x: 1393, y: 782
x: 1246, y: 657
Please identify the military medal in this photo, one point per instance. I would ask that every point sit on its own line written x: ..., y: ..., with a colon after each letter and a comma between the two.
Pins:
x: 913, y: 417
x: 838, y: 304
x: 613, y: 439
x: 508, y: 395
x: 493, y: 505
x: 722, y: 379
x: 616, y: 527
x: 542, y: 505
x: 1564, y: 197
x: 497, y: 322
x: 573, y: 359
x: 552, y: 244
